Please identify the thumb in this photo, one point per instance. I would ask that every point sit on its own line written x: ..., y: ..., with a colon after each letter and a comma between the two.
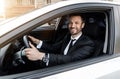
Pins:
x: 31, y: 45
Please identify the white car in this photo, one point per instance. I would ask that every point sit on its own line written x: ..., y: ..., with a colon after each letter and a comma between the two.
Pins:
x: 50, y: 24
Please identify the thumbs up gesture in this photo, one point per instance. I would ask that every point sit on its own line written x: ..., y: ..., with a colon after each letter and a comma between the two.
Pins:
x: 33, y: 54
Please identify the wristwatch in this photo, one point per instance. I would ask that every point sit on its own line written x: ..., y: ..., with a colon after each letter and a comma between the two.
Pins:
x: 45, y: 58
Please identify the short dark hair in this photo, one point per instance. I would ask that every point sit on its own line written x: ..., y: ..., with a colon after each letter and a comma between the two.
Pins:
x: 78, y: 14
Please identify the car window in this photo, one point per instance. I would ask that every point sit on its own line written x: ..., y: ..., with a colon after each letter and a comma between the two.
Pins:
x: 95, y: 28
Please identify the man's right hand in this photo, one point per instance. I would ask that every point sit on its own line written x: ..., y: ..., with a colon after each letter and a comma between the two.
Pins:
x: 33, y: 53
x: 34, y: 40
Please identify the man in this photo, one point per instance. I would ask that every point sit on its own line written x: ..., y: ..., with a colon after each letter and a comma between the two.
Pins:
x: 82, y: 46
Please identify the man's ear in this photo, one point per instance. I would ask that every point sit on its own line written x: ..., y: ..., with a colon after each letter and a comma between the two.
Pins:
x: 83, y: 24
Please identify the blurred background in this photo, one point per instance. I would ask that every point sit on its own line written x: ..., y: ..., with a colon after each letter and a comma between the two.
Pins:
x: 14, y: 8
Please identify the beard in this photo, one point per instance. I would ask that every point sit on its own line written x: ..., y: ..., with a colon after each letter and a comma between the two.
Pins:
x: 74, y: 31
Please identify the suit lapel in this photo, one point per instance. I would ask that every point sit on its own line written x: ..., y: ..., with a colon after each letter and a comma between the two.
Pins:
x: 78, y: 42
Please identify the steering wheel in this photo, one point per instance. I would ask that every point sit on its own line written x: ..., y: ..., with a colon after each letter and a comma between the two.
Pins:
x: 26, y: 41
x: 20, y: 55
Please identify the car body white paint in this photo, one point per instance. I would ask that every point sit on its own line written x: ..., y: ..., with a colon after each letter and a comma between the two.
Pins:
x: 94, y: 71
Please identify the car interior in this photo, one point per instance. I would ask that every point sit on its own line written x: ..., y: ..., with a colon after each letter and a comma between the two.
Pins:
x: 95, y: 28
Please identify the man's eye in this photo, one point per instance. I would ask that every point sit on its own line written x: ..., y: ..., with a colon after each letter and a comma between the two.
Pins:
x: 76, y: 23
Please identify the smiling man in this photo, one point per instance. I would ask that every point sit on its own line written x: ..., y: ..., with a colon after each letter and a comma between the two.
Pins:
x: 75, y: 46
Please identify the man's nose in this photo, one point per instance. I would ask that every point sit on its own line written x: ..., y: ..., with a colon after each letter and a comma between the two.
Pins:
x: 73, y: 25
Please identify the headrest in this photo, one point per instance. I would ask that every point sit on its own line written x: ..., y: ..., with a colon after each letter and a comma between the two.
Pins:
x: 91, y: 20
x: 92, y: 28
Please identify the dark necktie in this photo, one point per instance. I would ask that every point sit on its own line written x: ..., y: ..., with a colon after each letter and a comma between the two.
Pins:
x: 71, y: 44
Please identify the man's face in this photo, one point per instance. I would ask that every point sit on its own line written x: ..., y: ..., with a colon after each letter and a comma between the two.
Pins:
x: 75, y: 25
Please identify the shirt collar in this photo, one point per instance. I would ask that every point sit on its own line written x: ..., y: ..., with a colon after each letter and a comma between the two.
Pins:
x: 77, y: 37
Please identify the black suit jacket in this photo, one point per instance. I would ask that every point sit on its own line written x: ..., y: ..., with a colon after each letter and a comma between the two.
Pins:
x: 82, y: 49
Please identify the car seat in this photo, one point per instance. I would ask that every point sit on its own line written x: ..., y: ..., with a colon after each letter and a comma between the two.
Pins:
x: 95, y: 29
